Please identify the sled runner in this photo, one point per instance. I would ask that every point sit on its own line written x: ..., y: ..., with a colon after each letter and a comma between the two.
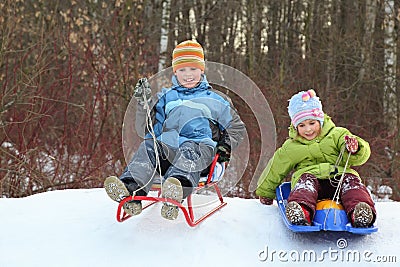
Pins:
x: 329, y: 216
x: 216, y: 172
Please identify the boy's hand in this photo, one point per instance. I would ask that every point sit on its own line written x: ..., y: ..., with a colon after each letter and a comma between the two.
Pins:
x: 266, y: 200
x: 224, y: 153
x: 142, y: 91
x: 351, y: 144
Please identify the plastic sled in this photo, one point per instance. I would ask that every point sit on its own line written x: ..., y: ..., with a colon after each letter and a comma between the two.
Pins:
x: 329, y: 216
x: 216, y: 171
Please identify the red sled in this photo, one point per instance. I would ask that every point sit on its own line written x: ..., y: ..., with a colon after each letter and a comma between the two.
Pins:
x: 215, y: 173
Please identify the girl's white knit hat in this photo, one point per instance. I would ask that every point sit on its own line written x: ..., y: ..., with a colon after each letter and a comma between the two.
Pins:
x: 305, y: 105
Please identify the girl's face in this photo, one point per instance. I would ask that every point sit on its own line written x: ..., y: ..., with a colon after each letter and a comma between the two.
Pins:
x: 309, y: 129
x: 189, y: 77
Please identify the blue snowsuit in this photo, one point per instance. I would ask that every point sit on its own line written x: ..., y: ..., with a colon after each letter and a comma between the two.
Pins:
x: 188, y: 124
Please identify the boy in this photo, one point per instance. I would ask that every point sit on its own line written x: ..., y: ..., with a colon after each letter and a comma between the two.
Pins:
x: 191, y: 124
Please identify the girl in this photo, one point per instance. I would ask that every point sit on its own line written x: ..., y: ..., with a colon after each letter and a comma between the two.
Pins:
x: 315, y: 151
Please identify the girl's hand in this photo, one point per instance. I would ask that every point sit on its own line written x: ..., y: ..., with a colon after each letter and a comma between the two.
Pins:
x: 351, y: 144
x: 266, y: 200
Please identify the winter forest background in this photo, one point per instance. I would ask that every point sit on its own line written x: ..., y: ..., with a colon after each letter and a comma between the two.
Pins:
x: 67, y: 69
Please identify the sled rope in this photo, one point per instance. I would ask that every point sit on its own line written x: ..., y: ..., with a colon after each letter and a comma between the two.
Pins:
x: 149, y: 127
x: 339, y: 183
x: 334, y: 181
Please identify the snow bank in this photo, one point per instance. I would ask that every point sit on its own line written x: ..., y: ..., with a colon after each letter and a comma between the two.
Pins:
x: 78, y: 228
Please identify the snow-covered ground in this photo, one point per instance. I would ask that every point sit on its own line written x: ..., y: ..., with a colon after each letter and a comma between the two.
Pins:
x: 78, y: 228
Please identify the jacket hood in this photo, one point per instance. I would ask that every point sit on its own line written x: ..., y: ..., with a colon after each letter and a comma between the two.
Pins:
x: 327, y: 126
x: 203, y: 85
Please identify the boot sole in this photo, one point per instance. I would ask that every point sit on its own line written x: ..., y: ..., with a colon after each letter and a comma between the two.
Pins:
x: 117, y: 191
x: 132, y: 208
x: 172, y: 189
x: 295, y: 214
x: 363, y: 215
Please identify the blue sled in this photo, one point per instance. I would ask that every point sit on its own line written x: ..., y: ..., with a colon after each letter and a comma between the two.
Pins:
x: 328, y: 217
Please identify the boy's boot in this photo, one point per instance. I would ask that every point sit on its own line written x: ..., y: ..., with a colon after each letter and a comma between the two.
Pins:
x: 172, y: 189
x: 297, y: 214
x: 117, y: 191
x: 362, y: 215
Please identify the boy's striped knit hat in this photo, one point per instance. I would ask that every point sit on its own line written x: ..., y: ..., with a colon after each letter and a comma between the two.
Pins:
x: 305, y: 106
x: 188, y: 54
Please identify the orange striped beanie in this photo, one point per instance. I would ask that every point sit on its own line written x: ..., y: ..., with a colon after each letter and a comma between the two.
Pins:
x: 188, y: 54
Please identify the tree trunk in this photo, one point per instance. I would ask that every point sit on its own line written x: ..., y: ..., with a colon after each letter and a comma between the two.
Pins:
x: 368, y: 40
x: 390, y: 95
x: 164, y: 34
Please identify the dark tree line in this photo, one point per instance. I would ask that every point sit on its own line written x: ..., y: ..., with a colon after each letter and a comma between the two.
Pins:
x: 67, y: 71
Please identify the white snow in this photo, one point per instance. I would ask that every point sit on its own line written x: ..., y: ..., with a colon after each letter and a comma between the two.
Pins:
x: 78, y: 228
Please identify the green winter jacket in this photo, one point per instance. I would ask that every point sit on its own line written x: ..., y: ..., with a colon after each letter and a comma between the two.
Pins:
x: 317, y: 157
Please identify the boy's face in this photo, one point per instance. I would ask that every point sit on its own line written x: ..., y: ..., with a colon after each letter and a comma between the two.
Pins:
x: 189, y: 77
x: 309, y: 129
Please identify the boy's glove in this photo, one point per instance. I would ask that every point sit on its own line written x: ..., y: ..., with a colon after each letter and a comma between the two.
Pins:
x: 142, y: 90
x: 266, y: 200
x: 224, y: 153
x: 351, y: 144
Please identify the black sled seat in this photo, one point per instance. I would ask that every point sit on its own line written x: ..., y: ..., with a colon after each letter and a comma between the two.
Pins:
x: 215, y: 173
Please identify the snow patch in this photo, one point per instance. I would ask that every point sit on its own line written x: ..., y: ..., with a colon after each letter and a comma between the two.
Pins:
x: 78, y: 228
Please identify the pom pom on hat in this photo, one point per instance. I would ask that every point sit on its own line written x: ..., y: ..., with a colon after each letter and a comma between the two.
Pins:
x: 305, y: 105
x: 309, y: 94
x: 188, y: 54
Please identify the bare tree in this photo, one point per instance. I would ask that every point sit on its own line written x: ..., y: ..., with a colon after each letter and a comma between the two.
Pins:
x: 164, y: 34
x: 67, y: 71
x: 390, y: 95
x: 368, y: 40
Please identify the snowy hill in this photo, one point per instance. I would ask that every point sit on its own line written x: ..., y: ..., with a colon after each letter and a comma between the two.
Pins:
x: 78, y: 228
